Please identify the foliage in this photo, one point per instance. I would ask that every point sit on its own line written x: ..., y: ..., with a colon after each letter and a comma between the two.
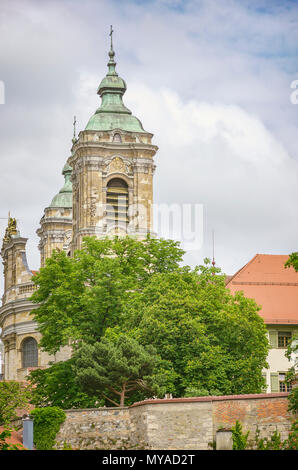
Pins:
x: 292, y: 442
x: 272, y: 443
x: 293, y: 348
x: 215, y: 341
x: 56, y: 386
x: 13, y: 395
x: 292, y: 261
x: 119, y: 365
x: 207, y: 339
x: 240, y: 440
x: 199, y: 392
x: 67, y: 446
x: 291, y: 376
x: 4, y: 445
x: 80, y: 297
x: 47, y: 422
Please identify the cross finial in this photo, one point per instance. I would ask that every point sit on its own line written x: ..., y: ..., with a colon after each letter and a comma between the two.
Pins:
x: 111, y: 34
x: 74, y: 129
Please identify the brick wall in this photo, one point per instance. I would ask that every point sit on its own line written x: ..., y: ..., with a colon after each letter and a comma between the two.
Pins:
x: 181, y: 423
x: 268, y: 413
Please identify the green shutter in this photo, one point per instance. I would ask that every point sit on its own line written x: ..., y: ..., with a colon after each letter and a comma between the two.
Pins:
x: 273, y: 338
x: 274, y: 382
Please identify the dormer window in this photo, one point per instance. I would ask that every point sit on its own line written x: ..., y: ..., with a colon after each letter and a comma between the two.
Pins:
x: 117, y: 137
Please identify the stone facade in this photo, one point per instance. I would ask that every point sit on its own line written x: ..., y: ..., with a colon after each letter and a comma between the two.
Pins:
x: 96, y: 160
x: 185, y: 423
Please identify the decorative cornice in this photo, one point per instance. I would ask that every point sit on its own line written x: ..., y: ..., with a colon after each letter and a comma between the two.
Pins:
x: 14, y: 241
x: 16, y: 306
x: 20, y: 328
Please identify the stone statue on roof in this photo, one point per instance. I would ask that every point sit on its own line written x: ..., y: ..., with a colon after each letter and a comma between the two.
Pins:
x: 11, y: 230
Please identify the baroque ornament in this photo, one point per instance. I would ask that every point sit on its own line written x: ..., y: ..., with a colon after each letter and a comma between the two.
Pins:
x: 117, y: 166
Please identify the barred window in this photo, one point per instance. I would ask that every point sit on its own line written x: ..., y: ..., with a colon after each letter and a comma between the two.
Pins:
x: 29, y: 353
x: 283, y: 386
x: 284, y: 337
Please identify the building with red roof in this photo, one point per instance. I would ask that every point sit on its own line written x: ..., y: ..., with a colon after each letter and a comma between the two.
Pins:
x: 275, y: 289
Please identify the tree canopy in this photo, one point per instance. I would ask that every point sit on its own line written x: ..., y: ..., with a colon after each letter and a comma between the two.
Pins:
x: 117, y: 367
x: 13, y: 396
x: 56, y: 386
x: 80, y: 297
x: 292, y: 261
x: 215, y: 341
x: 206, y: 339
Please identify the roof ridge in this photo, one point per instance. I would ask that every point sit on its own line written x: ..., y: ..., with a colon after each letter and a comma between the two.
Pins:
x: 241, y: 269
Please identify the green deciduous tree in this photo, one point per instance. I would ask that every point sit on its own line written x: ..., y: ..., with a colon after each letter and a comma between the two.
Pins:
x: 81, y: 297
x: 209, y: 341
x: 215, y: 341
x: 56, y: 386
x: 13, y: 395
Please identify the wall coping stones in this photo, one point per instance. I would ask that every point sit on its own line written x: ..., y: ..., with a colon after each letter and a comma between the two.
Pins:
x: 101, y: 408
x: 209, y: 398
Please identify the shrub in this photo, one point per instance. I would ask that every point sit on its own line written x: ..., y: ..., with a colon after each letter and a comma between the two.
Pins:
x: 292, y: 442
x: 239, y: 439
x: 272, y: 443
x: 47, y: 422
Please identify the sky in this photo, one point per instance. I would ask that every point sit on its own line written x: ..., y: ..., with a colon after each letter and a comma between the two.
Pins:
x: 211, y: 80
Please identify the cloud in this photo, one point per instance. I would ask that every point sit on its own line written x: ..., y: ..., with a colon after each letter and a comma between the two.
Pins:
x: 226, y: 159
x: 210, y: 79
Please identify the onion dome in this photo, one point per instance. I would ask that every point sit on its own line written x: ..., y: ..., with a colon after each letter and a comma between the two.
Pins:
x: 64, y: 197
x: 112, y: 113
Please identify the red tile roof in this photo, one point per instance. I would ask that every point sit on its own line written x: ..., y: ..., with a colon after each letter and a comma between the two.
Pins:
x: 15, y: 439
x: 274, y: 287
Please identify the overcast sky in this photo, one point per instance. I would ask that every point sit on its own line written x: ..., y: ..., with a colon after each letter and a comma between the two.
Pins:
x: 211, y: 80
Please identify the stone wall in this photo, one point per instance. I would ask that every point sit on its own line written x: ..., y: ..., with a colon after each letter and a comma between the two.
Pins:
x: 96, y: 428
x: 181, y: 423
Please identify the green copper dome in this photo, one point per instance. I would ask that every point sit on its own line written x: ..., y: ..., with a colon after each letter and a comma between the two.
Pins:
x: 64, y: 197
x: 112, y: 113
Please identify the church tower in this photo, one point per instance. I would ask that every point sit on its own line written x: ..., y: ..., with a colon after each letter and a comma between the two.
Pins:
x: 112, y: 168
x: 55, y: 230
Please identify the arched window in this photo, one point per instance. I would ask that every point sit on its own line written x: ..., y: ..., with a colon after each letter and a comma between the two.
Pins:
x: 117, y: 202
x: 117, y: 138
x: 29, y: 353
